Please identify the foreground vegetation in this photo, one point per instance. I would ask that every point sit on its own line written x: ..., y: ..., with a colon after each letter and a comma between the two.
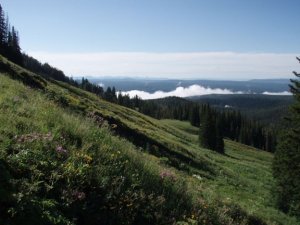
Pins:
x: 250, y: 182
x: 287, y: 157
x: 58, y: 168
x: 63, y: 164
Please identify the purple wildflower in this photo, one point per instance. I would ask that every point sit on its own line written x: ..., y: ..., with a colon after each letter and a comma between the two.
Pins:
x: 167, y: 174
x: 61, y: 150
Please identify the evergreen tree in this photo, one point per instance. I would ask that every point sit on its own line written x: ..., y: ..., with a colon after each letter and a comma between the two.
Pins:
x: 108, y: 94
x: 15, y: 40
x: 13, y: 51
x: 195, y: 116
x: 113, y: 95
x: 7, y: 30
x: 211, y: 130
x: 9, y: 40
x: 136, y: 102
x: 120, y: 98
x: 286, y: 163
x: 206, y: 130
x: 219, y: 146
x: 3, y: 30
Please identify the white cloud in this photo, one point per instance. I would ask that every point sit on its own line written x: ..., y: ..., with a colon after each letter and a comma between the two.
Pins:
x: 199, y: 65
x: 101, y: 84
x: 277, y: 93
x: 193, y: 90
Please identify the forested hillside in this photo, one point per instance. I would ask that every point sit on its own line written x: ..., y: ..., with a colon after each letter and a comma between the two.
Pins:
x: 264, y: 108
x: 228, y: 122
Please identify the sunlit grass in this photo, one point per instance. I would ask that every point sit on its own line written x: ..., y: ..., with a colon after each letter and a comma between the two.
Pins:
x: 245, y: 177
x: 201, y: 184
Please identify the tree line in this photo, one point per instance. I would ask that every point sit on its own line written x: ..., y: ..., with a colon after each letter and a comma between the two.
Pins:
x: 10, y: 48
x: 9, y: 40
x: 228, y: 123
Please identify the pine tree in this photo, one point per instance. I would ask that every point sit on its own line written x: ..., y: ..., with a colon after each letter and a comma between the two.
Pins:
x: 113, y: 95
x: 7, y: 30
x: 219, y: 146
x: 2, y: 30
x: 286, y: 163
x: 136, y: 102
x: 205, y: 131
x: 15, y: 48
x: 195, y: 116
x: 9, y: 39
x: 120, y: 98
x: 210, y: 131
x: 108, y: 94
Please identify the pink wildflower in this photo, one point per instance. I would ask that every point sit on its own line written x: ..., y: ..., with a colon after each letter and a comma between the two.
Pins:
x: 61, y: 150
x: 166, y: 174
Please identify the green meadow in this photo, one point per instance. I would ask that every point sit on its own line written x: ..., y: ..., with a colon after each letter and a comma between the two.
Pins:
x: 68, y: 157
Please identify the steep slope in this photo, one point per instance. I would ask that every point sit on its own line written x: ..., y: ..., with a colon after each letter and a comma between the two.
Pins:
x: 62, y: 163
x: 250, y: 182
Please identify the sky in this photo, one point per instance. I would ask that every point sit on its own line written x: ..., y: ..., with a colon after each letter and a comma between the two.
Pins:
x: 211, y: 39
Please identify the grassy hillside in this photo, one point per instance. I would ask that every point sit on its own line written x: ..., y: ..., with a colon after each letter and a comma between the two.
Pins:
x: 248, y: 180
x: 68, y: 157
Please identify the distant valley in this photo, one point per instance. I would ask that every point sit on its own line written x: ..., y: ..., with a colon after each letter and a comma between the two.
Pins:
x: 167, y: 85
x: 266, y: 100
x: 265, y: 108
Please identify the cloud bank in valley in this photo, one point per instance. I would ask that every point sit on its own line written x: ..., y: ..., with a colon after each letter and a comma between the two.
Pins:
x: 277, y: 93
x: 194, y: 65
x: 193, y: 90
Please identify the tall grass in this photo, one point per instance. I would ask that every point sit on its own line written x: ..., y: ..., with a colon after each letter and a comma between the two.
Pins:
x: 60, y: 166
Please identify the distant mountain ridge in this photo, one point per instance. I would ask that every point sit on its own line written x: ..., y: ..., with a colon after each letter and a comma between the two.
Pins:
x: 166, y: 85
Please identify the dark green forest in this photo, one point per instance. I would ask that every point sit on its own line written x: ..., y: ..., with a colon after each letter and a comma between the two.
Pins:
x: 9, y: 40
x: 229, y: 123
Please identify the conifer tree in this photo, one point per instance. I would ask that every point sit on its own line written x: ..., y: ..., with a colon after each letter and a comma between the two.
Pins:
x: 210, y: 131
x: 9, y: 39
x: 195, y: 116
x: 15, y: 47
x: 206, y: 131
x: 219, y: 146
x: 2, y: 30
x: 7, y: 29
x: 286, y: 163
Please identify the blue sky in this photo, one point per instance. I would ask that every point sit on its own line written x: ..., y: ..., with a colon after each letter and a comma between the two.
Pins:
x: 114, y: 32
